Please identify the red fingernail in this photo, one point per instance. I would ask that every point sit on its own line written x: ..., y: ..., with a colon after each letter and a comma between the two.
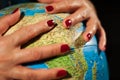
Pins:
x: 15, y: 10
x: 51, y: 23
x: 61, y: 73
x: 89, y: 36
x: 65, y: 48
x: 68, y: 23
x: 49, y: 8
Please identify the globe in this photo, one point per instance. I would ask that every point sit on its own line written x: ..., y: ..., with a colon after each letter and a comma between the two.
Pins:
x: 84, y: 62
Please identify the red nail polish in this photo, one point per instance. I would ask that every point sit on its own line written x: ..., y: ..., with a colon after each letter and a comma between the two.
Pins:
x: 61, y: 73
x: 49, y: 8
x: 89, y: 36
x: 51, y: 23
x: 15, y: 10
x: 68, y: 23
x: 65, y: 48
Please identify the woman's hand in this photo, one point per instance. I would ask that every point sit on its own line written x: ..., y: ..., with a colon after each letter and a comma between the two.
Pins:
x: 81, y: 10
x: 12, y: 56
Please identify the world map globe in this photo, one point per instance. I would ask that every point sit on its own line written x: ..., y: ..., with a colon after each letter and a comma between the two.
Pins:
x: 84, y: 62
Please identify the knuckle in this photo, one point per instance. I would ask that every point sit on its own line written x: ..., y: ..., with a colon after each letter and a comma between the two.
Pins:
x: 36, y: 55
x: 84, y: 14
x: 67, y: 4
x: 54, y: 52
x: 31, y: 76
x: 3, y: 27
x: 31, y: 30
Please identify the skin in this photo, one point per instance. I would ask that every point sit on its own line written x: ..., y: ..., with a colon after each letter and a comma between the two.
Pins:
x: 80, y: 10
x: 12, y: 56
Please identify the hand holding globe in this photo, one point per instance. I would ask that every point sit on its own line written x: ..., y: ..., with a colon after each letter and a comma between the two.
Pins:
x: 85, y: 62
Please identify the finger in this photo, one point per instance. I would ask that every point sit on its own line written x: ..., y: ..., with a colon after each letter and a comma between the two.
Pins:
x: 69, y: 6
x: 24, y: 73
x: 8, y: 20
x: 79, y: 16
x: 102, y: 38
x: 90, y: 30
x: 40, y: 53
x: 24, y: 34
x: 48, y: 1
x: 93, y: 26
x: 5, y: 78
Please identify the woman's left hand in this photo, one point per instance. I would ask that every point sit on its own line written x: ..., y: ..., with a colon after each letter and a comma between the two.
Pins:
x: 81, y: 10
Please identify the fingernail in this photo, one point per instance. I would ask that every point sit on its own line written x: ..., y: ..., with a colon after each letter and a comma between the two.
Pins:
x: 61, y: 73
x: 49, y: 8
x: 104, y: 48
x: 15, y: 10
x: 51, y: 23
x: 89, y: 36
x: 68, y: 23
x: 65, y: 48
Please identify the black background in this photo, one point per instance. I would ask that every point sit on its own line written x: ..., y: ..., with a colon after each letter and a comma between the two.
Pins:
x: 109, y: 14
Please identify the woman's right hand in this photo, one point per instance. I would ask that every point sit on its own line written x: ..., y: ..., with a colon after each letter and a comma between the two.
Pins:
x: 12, y: 56
x: 80, y: 10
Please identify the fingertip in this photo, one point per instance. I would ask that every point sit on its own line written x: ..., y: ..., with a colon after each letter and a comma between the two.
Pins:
x: 67, y: 23
x: 57, y: 73
x: 16, y: 11
x: 49, y: 9
x: 87, y: 36
x: 12, y: 18
x: 51, y: 23
x: 16, y: 14
x: 61, y: 73
x: 65, y: 48
x: 102, y: 47
x: 102, y: 39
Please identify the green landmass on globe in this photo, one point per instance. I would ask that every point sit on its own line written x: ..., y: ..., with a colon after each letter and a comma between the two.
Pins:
x: 84, y: 62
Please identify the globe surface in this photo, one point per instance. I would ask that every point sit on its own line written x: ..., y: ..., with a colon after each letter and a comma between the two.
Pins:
x: 85, y: 62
